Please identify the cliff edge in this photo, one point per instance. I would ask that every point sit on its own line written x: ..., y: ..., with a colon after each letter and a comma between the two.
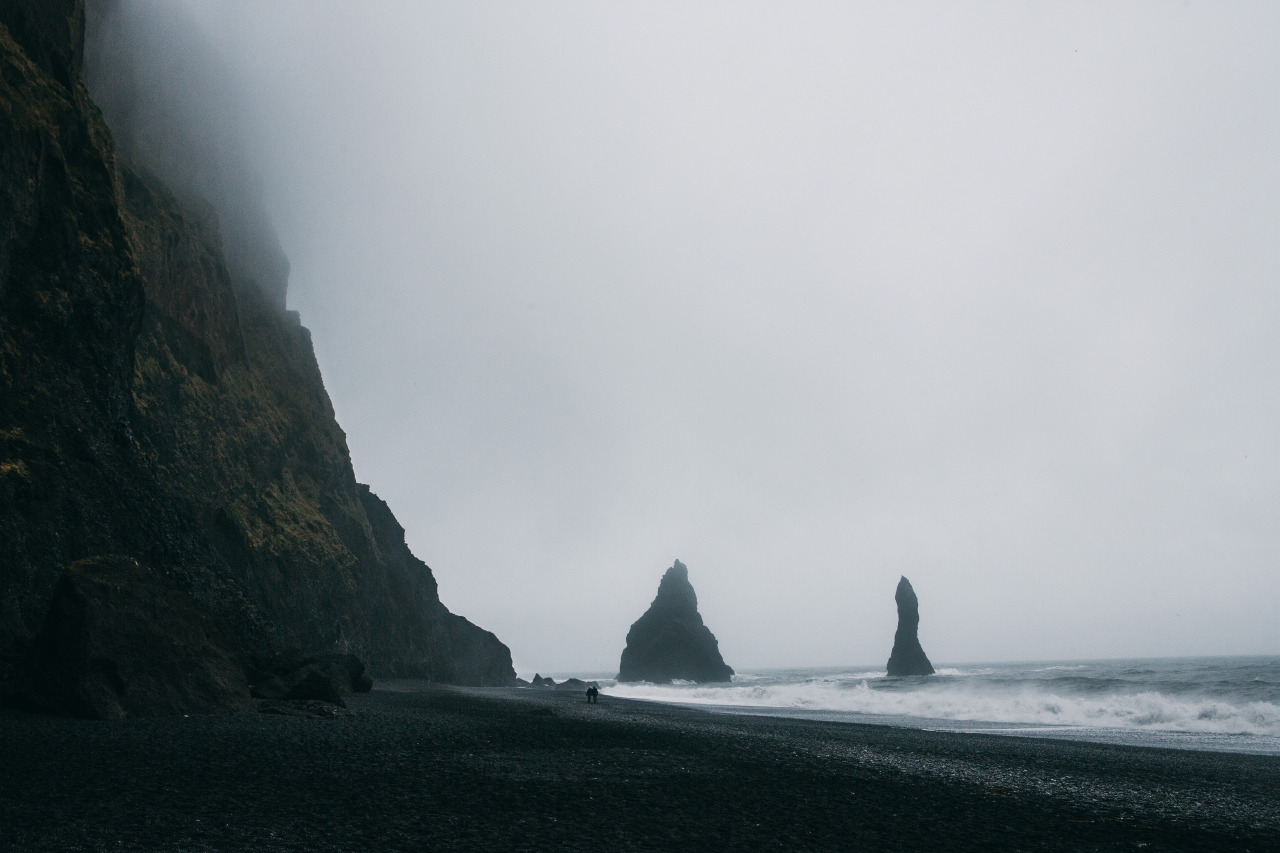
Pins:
x: 161, y: 405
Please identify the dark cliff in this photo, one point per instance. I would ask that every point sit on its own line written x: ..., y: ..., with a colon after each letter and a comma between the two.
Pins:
x: 159, y: 404
x: 908, y: 657
x: 669, y: 641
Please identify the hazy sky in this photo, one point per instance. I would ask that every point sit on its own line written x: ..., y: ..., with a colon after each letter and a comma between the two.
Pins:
x: 806, y: 295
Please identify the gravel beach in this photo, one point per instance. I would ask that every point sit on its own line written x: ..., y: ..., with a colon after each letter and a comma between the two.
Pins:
x: 419, y: 767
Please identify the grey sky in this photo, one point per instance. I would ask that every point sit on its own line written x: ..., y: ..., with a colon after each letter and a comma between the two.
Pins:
x: 806, y: 295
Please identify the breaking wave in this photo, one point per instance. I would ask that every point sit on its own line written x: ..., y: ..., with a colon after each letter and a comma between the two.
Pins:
x: 1197, y: 699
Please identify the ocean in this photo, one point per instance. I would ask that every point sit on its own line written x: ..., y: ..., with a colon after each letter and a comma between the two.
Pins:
x: 1224, y: 704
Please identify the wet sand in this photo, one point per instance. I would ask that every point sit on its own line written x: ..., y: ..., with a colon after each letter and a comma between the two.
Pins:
x: 419, y: 768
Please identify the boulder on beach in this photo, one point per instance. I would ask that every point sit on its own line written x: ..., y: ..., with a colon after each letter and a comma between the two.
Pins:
x: 669, y: 641
x: 576, y: 684
x: 316, y: 708
x: 908, y: 657
x: 124, y: 640
x: 539, y: 681
x: 292, y: 675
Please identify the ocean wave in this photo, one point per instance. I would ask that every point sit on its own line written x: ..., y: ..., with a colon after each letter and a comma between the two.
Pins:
x: 843, y: 677
x: 959, y: 701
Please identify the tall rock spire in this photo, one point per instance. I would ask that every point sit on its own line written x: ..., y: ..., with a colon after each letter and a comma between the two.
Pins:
x: 907, y: 657
x: 669, y: 641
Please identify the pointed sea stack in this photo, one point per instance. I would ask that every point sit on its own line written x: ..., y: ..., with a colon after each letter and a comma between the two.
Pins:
x: 669, y: 641
x: 907, y: 657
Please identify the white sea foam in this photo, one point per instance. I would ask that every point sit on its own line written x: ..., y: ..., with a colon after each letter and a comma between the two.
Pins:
x: 1031, y: 704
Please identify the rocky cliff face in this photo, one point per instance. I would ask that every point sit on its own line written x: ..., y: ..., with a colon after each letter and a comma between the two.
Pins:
x: 908, y: 657
x: 157, y: 406
x: 669, y: 641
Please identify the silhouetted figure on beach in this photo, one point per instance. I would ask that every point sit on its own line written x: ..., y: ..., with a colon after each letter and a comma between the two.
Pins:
x: 593, y: 696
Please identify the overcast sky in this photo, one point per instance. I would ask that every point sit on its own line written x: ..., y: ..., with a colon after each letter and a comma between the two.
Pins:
x: 806, y: 295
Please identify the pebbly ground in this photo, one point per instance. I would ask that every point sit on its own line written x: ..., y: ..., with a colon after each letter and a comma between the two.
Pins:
x: 426, y: 768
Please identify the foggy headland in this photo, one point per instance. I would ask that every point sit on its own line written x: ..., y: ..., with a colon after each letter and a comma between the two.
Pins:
x: 295, y: 297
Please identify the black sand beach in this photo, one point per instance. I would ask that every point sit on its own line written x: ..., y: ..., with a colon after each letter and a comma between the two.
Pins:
x: 441, y: 768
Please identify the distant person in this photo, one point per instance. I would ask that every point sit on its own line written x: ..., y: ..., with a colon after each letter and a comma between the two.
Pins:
x: 593, y: 696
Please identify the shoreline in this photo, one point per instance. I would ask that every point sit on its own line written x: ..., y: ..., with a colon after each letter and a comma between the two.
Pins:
x: 1171, y: 739
x: 510, y: 768
x: 1218, y: 704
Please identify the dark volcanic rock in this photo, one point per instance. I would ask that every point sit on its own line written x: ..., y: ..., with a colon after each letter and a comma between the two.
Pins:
x: 8, y: 679
x: 907, y: 657
x: 539, y: 681
x: 304, y: 708
x: 576, y: 684
x: 669, y: 641
x: 124, y: 640
x: 156, y: 400
x: 293, y: 675
x: 315, y: 683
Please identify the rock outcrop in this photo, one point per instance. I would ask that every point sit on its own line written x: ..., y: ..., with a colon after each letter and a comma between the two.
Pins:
x: 908, y: 657
x: 669, y: 641
x: 123, y: 640
x: 576, y: 684
x: 158, y: 403
x: 295, y: 676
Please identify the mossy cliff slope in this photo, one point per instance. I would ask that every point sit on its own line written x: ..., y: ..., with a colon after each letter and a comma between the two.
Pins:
x: 154, y: 406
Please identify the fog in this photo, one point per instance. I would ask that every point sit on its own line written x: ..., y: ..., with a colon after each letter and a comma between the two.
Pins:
x: 807, y: 296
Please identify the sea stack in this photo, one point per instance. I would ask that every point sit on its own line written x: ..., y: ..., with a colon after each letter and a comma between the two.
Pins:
x: 669, y: 641
x: 907, y: 657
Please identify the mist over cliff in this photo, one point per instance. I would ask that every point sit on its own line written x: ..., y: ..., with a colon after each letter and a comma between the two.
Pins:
x: 163, y: 418
x: 174, y: 111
